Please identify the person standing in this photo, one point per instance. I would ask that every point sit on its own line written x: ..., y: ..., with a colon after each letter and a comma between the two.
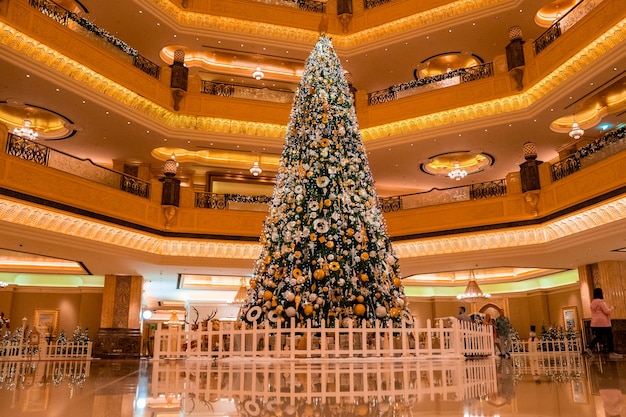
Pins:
x: 601, y: 325
x: 463, y: 315
x: 503, y: 330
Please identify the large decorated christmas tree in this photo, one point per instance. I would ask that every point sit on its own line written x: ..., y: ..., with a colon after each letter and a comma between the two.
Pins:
x: 325, y: 250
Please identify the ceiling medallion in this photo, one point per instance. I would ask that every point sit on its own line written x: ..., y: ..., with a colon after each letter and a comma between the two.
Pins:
x: 457, y: 165
x: 34, y: 122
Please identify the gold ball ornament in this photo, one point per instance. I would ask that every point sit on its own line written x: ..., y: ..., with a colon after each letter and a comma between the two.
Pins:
x: 397, y: 282
x: 308, y: 309
x: 365, y: 256
x: 318, y: 274
x: 267, y: 295
x: 362, y: 409
x: 359, y: 309
x: 364, y: 277
x: 360, y: 299
x: 394, y: 312
x: 253, y: 283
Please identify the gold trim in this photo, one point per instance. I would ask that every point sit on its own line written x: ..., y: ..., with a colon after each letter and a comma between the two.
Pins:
x: 15, y: 213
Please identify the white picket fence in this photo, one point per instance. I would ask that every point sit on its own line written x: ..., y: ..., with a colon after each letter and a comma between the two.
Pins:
x: 448, y: 338
x: 556, y: 347
x: 260, y: 387
x: 25, y: 350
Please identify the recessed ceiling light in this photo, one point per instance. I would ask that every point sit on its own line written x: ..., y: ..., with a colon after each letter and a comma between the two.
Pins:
x: 174, y: 35
x: 28, y: 75
x: 140, y: 11
x: 241, y: 45
x: 188, y: 141
x: 158, y: 24
x: 128, y: 122
x: 84, y: 102
x: 165, y: 140
x: 147, y: 131
x: 211, y: 143
x: 106, y: 112
x: 57, y: 89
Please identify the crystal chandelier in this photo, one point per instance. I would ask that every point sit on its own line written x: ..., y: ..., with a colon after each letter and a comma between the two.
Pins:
x: 258, y: 74
x: 473, y: 293
x: 174, y: 320
x: 26, y: 131
x: 576, y: 131
x: 457, y: 173
x: 242, y: 293
x: 256, y: 169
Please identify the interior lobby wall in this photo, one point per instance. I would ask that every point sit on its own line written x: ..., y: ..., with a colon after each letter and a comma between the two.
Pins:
x: 75, y: 309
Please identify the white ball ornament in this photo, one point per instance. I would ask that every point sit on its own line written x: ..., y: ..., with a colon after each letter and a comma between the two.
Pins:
x: 381, y: 311
x: 289, y: 296
x: 290, y: 311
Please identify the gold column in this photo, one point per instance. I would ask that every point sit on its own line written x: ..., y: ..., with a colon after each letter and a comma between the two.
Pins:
x: 121, y: 302
x: 119, y: 335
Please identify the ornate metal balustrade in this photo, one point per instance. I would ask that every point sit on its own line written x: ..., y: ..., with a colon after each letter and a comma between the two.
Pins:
x: 603, y: 147
x: 232, y: 201
x: 448, y: 79
x: 488, y: 190
x: 315, y: 6
x: 66, y: 17
x: 250, y: 93
x: 563, y: 24
x: 84, y: 168
x: 438, y: 196
x: 370, y: 4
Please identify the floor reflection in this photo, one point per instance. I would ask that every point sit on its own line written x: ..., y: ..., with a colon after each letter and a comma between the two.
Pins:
x: 525, y: 385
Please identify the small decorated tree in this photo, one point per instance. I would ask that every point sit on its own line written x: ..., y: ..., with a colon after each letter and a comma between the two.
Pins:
x: 326, y: 257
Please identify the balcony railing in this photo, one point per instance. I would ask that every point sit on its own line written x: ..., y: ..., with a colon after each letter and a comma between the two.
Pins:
x: 563, y: 24
x: 84, y: 168
x: 232, y: 201
x: 438, y: 196
x: 603, y: 147
x: 78, y: 23
x: 370, y: 4
x: 421, y: 85
x: 306, y: 5
x: 250, y: 93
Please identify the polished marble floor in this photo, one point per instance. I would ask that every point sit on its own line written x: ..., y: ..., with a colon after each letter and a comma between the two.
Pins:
x: 522, y: 386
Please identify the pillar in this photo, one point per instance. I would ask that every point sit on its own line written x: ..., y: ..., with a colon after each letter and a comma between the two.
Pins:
x: 119, y: 335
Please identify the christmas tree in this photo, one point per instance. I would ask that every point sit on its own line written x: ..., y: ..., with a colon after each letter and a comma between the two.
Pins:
x: 325, y: 250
